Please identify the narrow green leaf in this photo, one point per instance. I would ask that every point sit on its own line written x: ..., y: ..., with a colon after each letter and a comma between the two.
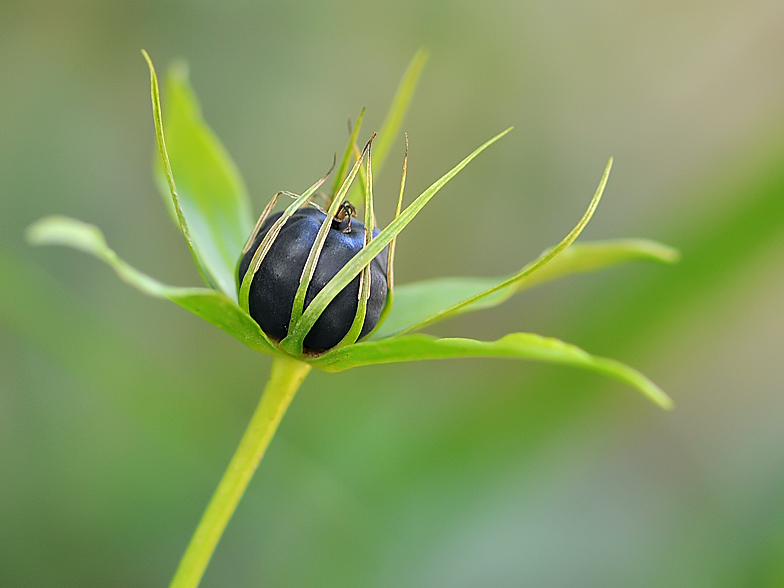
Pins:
x: 364, y: 257
x: 390, y: 301
x: 390, y: 129
x: 352, y: 141
x: 515, y: 345
x: 356, y: 193
x: 260, y: 223
x: 294, y: 344
x: 543, y: 259
x: 398, y: 208
x: 415, y: 303
x: 364, y: 277
x: 211, y: 305
x: 210, y: 195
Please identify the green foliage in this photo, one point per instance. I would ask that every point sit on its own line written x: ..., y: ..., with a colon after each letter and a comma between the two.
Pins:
x: 346, y: 159
x: 212, y: 209
x: 529, y: 269
x: 364, y: 280
x: 266, y: 243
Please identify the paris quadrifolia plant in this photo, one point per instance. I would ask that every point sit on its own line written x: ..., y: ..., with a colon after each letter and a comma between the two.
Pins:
x: 313, y: 285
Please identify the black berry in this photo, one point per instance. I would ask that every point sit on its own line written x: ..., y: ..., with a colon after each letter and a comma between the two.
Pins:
x: 275, y: 284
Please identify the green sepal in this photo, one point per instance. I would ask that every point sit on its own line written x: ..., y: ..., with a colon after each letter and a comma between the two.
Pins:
x: 365, y: 276
x: 529, y: 269
x: 272, y: 234
x: 390, y: 301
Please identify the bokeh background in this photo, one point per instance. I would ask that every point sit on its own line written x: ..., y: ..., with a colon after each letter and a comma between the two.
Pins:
x: 118, y: 413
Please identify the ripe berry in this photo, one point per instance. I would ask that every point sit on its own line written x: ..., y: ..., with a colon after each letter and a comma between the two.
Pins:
x: 275, y: 284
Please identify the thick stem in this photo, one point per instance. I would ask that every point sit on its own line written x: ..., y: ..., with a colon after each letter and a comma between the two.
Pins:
x: 285, y: 378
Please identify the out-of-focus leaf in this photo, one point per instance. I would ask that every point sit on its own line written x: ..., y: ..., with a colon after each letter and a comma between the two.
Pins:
x: 211, y: 305
x: 390, y: 128
x: 415, y: 303
x: 347, y: 273
x: 346, y: 159
x: 515, y: 345
x: 209, y: 190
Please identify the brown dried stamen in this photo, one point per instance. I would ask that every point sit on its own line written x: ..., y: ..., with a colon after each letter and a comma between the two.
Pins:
x: 346, y: 211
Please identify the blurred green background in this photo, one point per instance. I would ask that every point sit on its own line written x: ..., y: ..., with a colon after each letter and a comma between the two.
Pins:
x: 118, y: 413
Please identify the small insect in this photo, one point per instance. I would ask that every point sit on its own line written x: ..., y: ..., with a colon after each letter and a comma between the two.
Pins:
x: 346, y: 211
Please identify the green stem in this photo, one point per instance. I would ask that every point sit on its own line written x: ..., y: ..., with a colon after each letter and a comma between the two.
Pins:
x: 285, y: 378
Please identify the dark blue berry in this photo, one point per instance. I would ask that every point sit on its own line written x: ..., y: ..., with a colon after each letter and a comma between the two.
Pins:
x: 274, y: 286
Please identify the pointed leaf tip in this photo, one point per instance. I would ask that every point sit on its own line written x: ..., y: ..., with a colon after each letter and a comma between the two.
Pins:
x: 390, y: 128
x: 209, y: 199
x: 528, y: 270
x: 513, y: 346
x: 420, y: 303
